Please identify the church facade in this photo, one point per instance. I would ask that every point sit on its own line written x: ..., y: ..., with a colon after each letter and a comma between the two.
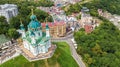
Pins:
x: 34, y: 39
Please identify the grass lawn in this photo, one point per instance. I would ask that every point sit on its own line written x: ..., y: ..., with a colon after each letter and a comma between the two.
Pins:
x: 61, y: 58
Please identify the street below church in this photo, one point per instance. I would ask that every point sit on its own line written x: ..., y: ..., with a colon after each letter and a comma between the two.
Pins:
x: 67, y: 39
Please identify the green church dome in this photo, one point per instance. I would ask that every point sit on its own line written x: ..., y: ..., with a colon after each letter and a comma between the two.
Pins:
x: 33, y: 17
x: 34, y: 24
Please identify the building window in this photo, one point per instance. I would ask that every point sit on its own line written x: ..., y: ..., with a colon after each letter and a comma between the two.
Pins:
x: 10, y: 14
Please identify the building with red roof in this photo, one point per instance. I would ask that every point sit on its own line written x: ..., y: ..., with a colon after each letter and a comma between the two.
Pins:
x: 88, y: 28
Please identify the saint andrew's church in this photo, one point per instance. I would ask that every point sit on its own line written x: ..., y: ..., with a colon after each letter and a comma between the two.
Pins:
x: 34, y: 39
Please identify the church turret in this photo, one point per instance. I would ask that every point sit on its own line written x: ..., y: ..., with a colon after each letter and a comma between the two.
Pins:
x: 40, y: 31
x: 47, y: 31
x: 22, y: 30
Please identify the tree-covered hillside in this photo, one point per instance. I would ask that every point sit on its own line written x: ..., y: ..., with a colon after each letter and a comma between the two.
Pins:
x: 101, y: 48
x: 113, y: 6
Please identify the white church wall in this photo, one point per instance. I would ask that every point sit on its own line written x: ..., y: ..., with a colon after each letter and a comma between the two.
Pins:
x: 35, y: 51
x: 23, y: 34
x: 47, y: 33
x: 49, y: 43
x: 43, y: 49
x: 39, y: 48
x: 26, y: 45
x: 33, y: 40
x: 31, y: 49
x: 46, y: 48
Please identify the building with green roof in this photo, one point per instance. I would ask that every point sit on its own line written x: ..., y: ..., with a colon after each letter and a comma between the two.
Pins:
x: 34, y: 39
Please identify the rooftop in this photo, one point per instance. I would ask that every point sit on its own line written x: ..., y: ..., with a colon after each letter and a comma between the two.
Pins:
x: 39, y: 40
x: 85, y: 9
x: 3, y: 39
x: 7, y: 6
x: 56, y: 23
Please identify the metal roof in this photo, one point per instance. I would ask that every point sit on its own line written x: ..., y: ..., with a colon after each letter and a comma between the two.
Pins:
x: 3, y: 39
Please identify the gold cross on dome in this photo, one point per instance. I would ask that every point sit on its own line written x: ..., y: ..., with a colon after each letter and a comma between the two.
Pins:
x: 32, y: 11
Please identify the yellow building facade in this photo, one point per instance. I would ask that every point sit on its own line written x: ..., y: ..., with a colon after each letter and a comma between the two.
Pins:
x: 57, y: 29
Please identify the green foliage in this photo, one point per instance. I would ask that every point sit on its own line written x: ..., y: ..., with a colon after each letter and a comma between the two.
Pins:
x: 2, y: 19
x: 45, y: 3
x: 112, y: 6
x: 41, y: 15
x: 14, y: 22
x: 12, y: 33
x: 61, y: 58
x: 3, y: 27
x: 100, y: 47
x: 73, y: 9
x: 79, y: 17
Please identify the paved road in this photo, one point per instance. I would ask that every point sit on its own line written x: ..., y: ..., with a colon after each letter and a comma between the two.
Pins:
x: 67, y: 39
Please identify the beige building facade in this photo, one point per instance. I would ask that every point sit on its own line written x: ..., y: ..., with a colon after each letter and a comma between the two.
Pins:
x: 57, y: 29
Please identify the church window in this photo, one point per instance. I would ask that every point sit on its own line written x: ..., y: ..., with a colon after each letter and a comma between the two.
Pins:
x: 39, y: 33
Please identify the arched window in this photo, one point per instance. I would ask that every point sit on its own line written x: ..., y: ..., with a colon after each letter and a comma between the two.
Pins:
x: 39, y: 34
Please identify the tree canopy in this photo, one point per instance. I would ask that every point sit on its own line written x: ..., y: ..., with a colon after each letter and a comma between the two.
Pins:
x: 101, y: 47
x: 112, y: 6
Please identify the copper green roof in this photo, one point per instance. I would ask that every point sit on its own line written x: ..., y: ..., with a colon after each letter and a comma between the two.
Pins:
x: 3, y: 39
x: 41, y: 40
x: 33, y: 17
x: 33, y: 26
x: 34, y: 23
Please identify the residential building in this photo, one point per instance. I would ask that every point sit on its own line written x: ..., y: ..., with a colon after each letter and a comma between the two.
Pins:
x: 57, y: 2
x: 57, y: 28
x: 8, y: 11
x: 87, y: 21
